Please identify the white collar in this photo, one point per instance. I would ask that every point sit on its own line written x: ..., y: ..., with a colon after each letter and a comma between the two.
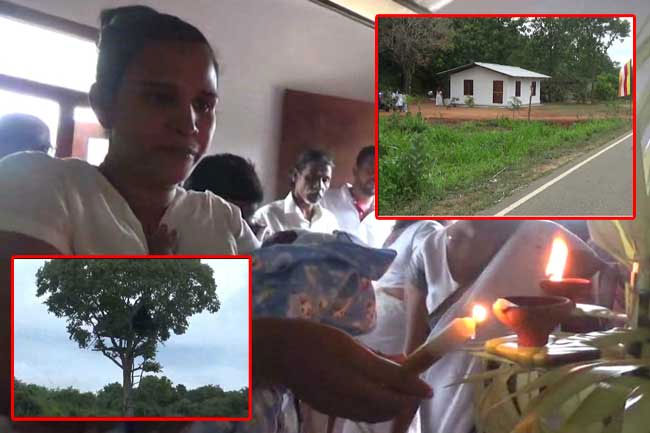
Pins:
x: 291, y: 207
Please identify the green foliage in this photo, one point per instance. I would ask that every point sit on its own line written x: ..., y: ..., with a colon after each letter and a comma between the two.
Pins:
x: 609, y: 394
x: 514, y: 103
x: 469, y: 101
x: 156, y: 396
x: 573, y: 51
x: 428, y: 162
x: 124, y: 307
x: 409, y: 43
x: 109, y: 399
x: 606, y: 87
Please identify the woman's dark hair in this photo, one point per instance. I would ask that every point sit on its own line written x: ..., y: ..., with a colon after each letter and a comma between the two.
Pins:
x: 229, y: 176
x: 125, y: 31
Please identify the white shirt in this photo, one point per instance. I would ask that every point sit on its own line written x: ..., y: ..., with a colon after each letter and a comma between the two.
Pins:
x: 70, y: 205
x: 516, y: 269
x: 372, y: 231
x: 428, y: 270
x: 285, y: 214
x: 410, y: 246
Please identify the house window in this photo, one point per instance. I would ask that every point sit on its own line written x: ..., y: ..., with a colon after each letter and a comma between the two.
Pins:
x: 533, y: 88
x: 47, y: 71
x: 517, y: 88
x: 468, y: 87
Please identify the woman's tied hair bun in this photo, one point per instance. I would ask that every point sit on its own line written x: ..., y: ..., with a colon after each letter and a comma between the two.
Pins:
x: 123, y: 15
x: 125, y: 31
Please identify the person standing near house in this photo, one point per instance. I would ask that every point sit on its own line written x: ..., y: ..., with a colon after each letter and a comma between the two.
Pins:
x: 301, y: 208
x: 353, y: 205
x: 399, y: 101
x: 439, y: 97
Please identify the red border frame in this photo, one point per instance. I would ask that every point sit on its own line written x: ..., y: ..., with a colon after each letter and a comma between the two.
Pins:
x: 517, y: 217
x: 250, y: 341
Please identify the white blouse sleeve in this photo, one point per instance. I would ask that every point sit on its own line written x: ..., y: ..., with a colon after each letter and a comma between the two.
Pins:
x: 246, y: 240
x: 33, y: 191
x: 428, y: 270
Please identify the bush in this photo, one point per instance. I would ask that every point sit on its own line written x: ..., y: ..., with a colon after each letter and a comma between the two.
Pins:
x: 469, y: 101
x: 514, y: 104
x: 606, y: 87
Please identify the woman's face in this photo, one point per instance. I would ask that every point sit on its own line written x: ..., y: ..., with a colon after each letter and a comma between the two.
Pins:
x: 163, y: 116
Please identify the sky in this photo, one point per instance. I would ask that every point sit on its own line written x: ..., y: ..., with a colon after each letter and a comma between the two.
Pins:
x: 621, y: 51
x: 214, y: 350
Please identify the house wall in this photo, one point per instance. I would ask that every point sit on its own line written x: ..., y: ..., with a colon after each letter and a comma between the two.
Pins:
x: 525, y: 90
x: 483, y: 86
x: 264, y: 47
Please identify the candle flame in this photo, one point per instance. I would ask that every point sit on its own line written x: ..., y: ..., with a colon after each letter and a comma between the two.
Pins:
x: 557, y: 259
x: 479, y: 313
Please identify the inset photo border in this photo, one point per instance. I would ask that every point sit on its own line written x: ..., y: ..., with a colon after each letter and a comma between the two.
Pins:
x: 507, y: 117
x: 174, y: 330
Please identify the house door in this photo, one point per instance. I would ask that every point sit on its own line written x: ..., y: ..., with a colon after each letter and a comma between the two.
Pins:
x: 497, y: 92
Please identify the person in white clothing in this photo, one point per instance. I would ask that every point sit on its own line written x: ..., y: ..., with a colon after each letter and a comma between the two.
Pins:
x: 450, y: 274
x: 301, y: 208
x: 155, y: 94
x: 354, y: 204
x: 408, y: 239
x: 439, y: 101
x: 399, y: 101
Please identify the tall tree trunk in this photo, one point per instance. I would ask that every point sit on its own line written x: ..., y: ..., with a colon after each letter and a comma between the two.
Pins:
x: 127, y: 387
x: 408, y: 70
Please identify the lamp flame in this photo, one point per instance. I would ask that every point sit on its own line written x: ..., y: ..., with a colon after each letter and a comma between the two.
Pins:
x: 479, y: 313
x: 557, y: 260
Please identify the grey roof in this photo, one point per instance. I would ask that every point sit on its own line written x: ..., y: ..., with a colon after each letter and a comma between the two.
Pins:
x: 512, y: 71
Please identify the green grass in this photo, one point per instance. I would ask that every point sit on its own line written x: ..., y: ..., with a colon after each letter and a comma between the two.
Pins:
x: 616, y: 107
x: 423, y: 164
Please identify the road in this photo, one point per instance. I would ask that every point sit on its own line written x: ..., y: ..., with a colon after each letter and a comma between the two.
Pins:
x: 597, y: 184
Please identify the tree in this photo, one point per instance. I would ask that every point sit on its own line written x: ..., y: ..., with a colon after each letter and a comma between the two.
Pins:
x: 109, y: 399
x: 26, y: 402
x: 573, y: 51
x: 124, y: 307
x: 606, y: 86
x: 410, y: 42
x: 153, y: 396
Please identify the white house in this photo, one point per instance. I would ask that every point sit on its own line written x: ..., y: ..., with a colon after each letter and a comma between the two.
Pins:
x: 492, y: 84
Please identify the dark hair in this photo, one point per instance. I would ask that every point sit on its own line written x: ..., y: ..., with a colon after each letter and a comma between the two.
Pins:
x: 125, y: 31
x: 366, y: 152
x: 20, y: 132
x: 312, y: 156
x: 229, y: 176
x: 308, y: 157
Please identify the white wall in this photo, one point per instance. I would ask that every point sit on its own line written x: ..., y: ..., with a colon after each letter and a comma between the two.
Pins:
x: 525, y: 90
x: 263, y: 47
x: 483, y: 86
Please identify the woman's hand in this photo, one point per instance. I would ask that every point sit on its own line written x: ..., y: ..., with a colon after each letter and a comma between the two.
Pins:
x: 331, y: 372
